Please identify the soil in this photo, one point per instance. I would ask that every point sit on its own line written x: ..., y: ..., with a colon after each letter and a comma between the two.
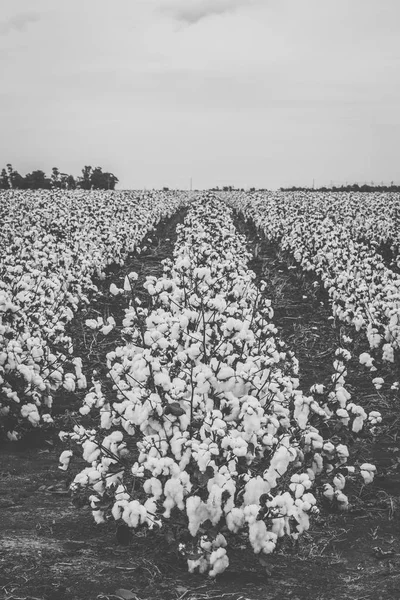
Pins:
x: 52, y: 550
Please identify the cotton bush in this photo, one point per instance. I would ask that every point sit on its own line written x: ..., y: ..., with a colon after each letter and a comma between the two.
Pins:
x: 337, y: 237
x: 51, y: 245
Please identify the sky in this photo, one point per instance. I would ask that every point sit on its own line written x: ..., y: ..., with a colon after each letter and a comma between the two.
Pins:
x: 263, y: 93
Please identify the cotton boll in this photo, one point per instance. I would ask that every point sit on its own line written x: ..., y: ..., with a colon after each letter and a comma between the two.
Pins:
x: 92, y: 324
x: 98, y: 516
x: 64, y: 459
x: 374, y: 417
x: 114, y: 290
x: 219, y: 561
x: 342, y: 500
x: 378, y: 382
x: 366, y: 359
x: 328, y: 492
x: 339, y: 482
x: 368, y: 476
x: 197, y: 513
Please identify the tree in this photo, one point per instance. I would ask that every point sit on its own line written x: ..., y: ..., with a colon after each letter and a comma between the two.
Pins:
x: 84, y: 182
x: 55, y: 178
x: 37, y: 180
x: 4, y: 183
x: 71, y: 183
x: 102, y: 181
x: 15, y: 180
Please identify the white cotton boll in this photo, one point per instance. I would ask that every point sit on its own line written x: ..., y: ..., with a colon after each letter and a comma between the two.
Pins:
x: 328, y: 492
x: 358, y: 424
x: 342, y: 450
x: 98, y: 516
x: 194, y: 351
x: 106, y: 419
x: 81, y: 383
x: 251, y: 513
x: 69, y: 384
x: 106, y: 329
x: 225, y: 373
x: 366, y: 359
x: 374, y: 338
x: 388, y: 353
x: 368, y: 467
x: 254, y: 488
x: 235, y: 519
x: 278, y: 526
x: 342, y: 500
x: 258, y: 535
x: 114, y: 290
x: 91, y: 451
x: 118, y: 509
x: 375, y: 417
x: 137, y: 470
x: 317, y: 388
x: 342, y: 396
x: 378, y: 382
x: 92, y: 324
x: 343, y: 416
x: 64, y: 459
x: 219, y: 562
x: 30, y: 412
x: 367, y: 476
x: 197, y: 513
x: 339, y: 481
x: 153, y: 487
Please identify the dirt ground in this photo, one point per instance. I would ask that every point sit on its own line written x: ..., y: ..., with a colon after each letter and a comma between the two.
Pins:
x: 52, y: 550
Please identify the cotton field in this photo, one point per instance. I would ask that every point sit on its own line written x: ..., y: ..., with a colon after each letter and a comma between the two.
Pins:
x: 198, y: 422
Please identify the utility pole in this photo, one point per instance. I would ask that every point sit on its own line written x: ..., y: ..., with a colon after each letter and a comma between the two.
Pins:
x: 191, y: 184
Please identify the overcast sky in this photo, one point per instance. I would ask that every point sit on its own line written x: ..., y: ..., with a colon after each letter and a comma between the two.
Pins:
x: 244, y: 92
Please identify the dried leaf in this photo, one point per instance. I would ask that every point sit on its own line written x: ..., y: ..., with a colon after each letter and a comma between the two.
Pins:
x: 175, y: 409
x: 125, y: 594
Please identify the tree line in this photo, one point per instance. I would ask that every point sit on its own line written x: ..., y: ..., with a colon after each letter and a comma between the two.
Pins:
x: 91, y: 179
x: 354, y: 187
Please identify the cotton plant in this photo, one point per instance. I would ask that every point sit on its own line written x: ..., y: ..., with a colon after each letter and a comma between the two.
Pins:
x: 336, y: 237
x: 52, y: 245
x: 208, y: 421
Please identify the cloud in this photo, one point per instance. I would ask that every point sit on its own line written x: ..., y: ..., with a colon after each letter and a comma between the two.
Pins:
x: 18, y: 22
x: 193, y: 11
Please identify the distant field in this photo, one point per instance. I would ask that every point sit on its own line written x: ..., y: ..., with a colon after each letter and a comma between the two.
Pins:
x: 199, y: 395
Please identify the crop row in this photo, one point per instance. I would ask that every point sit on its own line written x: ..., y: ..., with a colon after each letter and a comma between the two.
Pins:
x: 206, y: 429
x: 51, y: 246
x: 336, y: 238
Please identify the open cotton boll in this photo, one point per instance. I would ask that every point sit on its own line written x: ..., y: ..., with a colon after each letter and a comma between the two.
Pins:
x: 235, y: 519
x: 328, y: 491
x: 114, y: 290
x: 30, y: 412
x: 366, y: 359
x: 92, y: 324
x: 107, y: 329
x: 219, y: 562
x: 374, y: 417
x: 378, y: 382
x: 197, y: 513
x: 64, y: 459
x: 339, y: 481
